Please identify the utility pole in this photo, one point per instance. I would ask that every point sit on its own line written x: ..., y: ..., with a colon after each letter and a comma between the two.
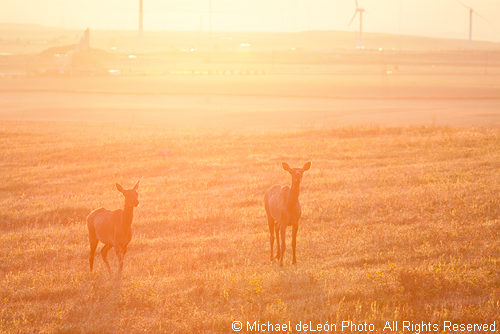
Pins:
x: 361, y: 28
x: 470, y: 27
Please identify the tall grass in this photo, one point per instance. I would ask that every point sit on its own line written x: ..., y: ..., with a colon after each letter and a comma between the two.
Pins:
x: 397, y: 224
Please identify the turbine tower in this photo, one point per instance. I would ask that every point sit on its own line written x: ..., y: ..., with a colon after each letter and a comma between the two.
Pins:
x: 210, y: 12
x: 359, y: 11
x: 471, y: 14
x: 140, y: 19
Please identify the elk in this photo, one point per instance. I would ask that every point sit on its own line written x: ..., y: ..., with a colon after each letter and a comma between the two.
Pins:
x: 283, y: 209
x: 113, y: 228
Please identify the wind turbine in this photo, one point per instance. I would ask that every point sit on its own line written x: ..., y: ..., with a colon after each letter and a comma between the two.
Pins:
x: 359, y: 11
x: 471, y: 14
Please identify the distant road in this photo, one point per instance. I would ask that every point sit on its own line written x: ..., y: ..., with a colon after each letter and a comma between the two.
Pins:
x: 261, y: 102
x: 342, y: 86
x: 258, y: 112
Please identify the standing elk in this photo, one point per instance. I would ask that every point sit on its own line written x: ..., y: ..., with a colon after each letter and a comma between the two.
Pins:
x: 113, y: 228
x: 283, y: 209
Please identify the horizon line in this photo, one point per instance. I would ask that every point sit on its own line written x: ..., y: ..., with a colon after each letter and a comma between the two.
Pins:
x: 245, y: 31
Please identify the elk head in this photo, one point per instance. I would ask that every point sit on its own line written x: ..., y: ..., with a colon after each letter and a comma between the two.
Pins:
x: 296, y: 172
x: 131, y: 196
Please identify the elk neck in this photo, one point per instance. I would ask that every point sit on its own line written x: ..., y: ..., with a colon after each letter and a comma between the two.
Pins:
x: 128, y: 214
x: 293, y: 195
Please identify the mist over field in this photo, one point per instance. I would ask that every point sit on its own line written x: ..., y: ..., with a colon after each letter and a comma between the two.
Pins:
x: 399, y: 217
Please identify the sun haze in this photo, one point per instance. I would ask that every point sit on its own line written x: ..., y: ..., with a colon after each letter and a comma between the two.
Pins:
x: 445, y: 18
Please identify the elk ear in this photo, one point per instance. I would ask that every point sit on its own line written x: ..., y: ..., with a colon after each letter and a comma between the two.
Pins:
x: 307, y: 165
x: 285, y: 166
x: 120, y: 188
x: 137, y: 185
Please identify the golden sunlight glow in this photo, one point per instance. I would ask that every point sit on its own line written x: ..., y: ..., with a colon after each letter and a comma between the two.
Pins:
x: 447, y: 18
x: 289, y: 169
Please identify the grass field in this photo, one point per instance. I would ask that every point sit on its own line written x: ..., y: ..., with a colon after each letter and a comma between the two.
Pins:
x: 398, y: 223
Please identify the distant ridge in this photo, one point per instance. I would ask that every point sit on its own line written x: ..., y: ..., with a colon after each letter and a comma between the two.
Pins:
x: 35, y: 38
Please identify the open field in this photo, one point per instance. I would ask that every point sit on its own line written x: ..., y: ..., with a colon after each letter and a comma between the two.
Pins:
x: 399, y: 223
x: 267, y: 102
x: 259, y: 89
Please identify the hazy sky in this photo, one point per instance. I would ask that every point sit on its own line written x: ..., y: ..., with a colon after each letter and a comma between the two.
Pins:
x: 440, y: 18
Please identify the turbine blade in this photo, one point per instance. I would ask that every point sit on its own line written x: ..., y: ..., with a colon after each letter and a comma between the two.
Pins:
x: 460, y: 2
x: 479, y: 15
x: 352, y: 19
x: 357, y: 5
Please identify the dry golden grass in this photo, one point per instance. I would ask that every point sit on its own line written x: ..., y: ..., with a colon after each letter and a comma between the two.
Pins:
x: 398, y: 223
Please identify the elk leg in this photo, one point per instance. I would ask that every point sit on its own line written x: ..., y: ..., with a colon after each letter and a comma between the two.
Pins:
x: 104, y: 254
x: 283, y: 235
x: 278, y: 245
x: 119, y: 253
x: 93, y: 242
x: 93, y: 246
x: 294, y: 240
x: 270, y: 221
